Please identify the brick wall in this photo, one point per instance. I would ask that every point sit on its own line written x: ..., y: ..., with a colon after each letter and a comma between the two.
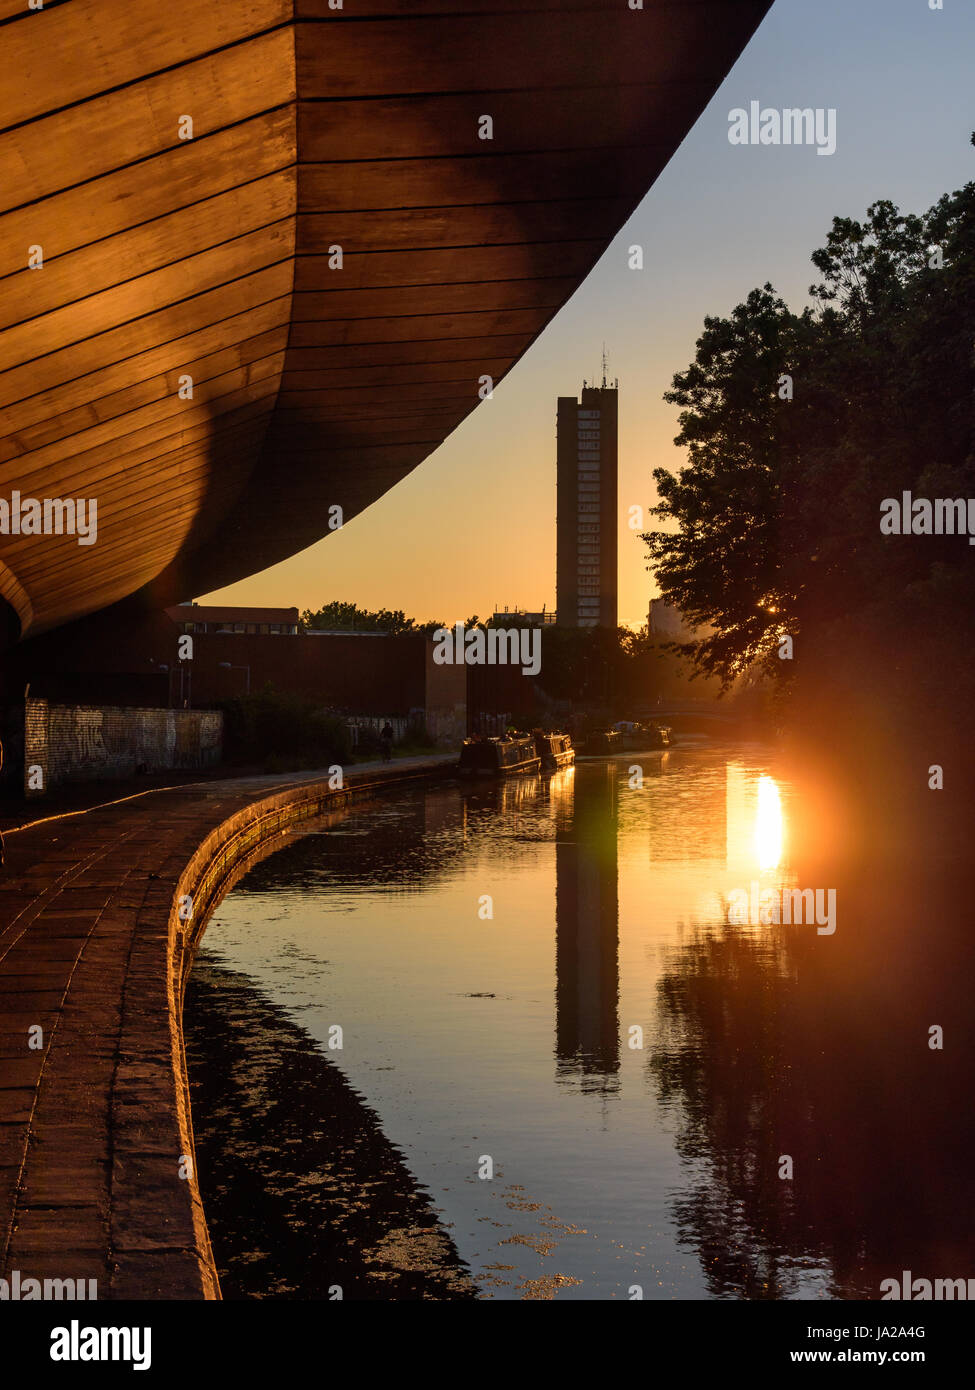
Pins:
x: 84, y: 743
x: 361, y: 674
x: 116, y: 658
x: 446, y: 701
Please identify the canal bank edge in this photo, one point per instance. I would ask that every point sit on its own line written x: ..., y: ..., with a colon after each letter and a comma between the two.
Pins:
x: 222, y: 859
x: 159, y: 1244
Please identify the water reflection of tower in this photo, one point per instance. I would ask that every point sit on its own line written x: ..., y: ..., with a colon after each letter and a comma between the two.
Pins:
x: 587, y: 933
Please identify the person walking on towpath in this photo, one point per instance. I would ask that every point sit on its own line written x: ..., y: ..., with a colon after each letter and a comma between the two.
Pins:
x: 386, y: 741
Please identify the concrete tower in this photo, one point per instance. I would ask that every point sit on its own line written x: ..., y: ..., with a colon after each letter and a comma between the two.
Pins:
x: 586, y: 565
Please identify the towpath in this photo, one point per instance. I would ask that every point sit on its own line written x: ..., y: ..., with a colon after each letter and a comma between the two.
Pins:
x: 94, y: 1121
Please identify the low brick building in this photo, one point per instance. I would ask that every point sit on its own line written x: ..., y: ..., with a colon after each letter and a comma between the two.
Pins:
x: 194, y: 656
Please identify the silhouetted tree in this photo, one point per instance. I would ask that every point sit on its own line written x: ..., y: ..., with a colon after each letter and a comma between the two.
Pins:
x: 778, y: 510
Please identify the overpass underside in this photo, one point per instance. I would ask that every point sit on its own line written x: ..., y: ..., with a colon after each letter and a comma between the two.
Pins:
x: 135, y: 260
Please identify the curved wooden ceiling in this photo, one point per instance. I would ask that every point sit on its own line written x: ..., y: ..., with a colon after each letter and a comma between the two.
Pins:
x: 209, y: 257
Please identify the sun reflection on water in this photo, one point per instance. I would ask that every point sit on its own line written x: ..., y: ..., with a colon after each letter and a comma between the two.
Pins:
x: 769, y: 824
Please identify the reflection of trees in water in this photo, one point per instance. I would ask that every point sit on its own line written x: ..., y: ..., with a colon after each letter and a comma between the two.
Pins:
x: 720, y: 1062
x: 776, y: 1041
x: 303, y: 1191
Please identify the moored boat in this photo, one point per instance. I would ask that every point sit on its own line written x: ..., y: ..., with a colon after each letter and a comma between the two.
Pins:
x: 657, y: 736
x: 637, y: 736
x: 604, y: 741
x: 498, y: 757
x: 555, y: 750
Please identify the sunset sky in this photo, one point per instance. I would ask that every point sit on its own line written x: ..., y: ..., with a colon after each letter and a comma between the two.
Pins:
x: 720, y: 220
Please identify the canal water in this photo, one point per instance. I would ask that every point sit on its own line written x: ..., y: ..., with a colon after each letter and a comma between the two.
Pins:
x: 523, y: 1041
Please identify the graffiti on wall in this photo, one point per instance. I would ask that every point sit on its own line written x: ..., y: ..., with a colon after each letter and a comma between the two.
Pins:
x: 87, y: 743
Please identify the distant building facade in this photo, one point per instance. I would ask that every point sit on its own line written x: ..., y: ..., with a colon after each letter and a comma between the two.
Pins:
x: 587, y: 499
x: 521, y: 617
x: 667, y: 623
x: 198, y: 617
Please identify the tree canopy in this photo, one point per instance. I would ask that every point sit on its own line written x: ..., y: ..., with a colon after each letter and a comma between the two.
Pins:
x: 798, y: 424
x: 341, y: 616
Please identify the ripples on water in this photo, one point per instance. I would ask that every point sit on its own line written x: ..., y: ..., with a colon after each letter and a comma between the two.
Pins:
x: 632, y: 1068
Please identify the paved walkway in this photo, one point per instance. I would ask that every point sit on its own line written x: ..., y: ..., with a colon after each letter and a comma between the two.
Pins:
x: 94, y: 1117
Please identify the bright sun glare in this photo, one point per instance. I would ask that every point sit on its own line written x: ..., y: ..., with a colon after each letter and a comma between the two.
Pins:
x: 768, y: 824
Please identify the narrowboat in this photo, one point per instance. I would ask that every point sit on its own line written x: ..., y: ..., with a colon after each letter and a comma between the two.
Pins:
x: 637, y: 736
x: 498, y: 757
x: 555, y: 751
x: 604, y: 741
x: 657, y: 736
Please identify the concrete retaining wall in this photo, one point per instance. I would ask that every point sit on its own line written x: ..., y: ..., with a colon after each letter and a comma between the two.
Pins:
x: 84, y: 743
x: 227, y: 853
